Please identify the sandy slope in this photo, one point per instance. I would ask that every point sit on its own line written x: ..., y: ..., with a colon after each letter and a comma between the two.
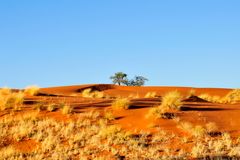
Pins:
x: 226, y: 116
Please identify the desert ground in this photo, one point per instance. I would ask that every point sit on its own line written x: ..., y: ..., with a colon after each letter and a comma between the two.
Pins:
x: 104, y: 121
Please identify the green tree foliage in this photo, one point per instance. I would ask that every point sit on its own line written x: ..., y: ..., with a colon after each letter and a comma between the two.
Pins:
x: 120, y: 78
x: 138, y: 81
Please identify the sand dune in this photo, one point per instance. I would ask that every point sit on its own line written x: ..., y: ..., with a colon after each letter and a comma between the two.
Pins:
x: 194, y: 110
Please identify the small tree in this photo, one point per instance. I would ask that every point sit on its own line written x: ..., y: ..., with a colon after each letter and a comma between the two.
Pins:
x: 119, y: 78
x: 138, y: 81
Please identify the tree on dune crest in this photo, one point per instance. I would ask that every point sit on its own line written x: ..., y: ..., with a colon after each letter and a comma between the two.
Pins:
x: 137, y: 81
x: 119, y: 78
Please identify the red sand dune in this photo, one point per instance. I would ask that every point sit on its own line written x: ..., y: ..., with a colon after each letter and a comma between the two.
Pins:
x: 195, y: 111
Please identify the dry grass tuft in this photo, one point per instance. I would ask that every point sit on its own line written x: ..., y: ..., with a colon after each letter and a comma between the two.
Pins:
x: 31, y: 90
x: 109, y: 116
x: 66, y: 109
x: 121, y: 103
x: 9, y: 99
x: 88, y: 93
x: 196, y: 131
x: 231, y: 98
x: 150, y: 95
x: 51, y: 107
x: 172, y: 100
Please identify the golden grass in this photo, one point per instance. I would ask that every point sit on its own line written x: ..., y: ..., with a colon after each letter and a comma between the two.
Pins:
x: 94, y: 134
x: 9, y: 99
x: 121, y: 103
x: 66, y: 109
x: 155, y: 112
x: 91, y: 135
x: 51, y: 107
x: 88, y: 93
x: 5, y: 91
x: 231, y: 98
x: 172, y: 100
x: 109, y: 116
x: 150, y: 95
x: 31, y: 90
x: 197, y: 131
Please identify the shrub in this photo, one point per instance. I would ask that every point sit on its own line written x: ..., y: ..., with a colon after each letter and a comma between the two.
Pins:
x: 121, y: 103
x: 66, y: 109
x: 5, y: 91
x: 87, y: 93
x: 232, y: 97
x: 40, y: 106
x: 15, y: 100
x: 109, y: 116
x: 97, y: 94
x: 3, y: 102
x: 172, y: 100
x: 197, y: 131
x: 4, y: 97
x: 31, y: 90
x: 51, y: 107
x: 109, y: 131
x: 151, y: 95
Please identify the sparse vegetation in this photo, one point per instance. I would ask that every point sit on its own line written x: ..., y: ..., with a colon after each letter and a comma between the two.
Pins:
x: 231, y: 98
x: 31, y: 90
x: 121, y: 103
x: 9, y: 99
x: 88, y: 93
x: 66, y: 109
x: 151, y: 95
x: 51, y: 107
x: 120, y: 78
x: 92, y: 134
x: 172, y: 100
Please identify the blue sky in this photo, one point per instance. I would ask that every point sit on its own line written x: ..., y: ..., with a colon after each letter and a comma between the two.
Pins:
x: 173, y: 43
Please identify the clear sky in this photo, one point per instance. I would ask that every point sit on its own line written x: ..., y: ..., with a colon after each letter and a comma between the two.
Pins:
x: 172, y: 42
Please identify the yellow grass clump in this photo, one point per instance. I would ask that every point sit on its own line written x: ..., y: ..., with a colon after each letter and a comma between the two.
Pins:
x: 155, y: 112
x: 9, y: 99
x: 51, y: 107
x: 121, y: 103
x: 88, y: 93
x: 196, y: 131
x: 231, y: 98
x: 66, y: 109
x: 150, y: 95
x: 31, y: 90
x: 5, y: 91
x: 172, y: 100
